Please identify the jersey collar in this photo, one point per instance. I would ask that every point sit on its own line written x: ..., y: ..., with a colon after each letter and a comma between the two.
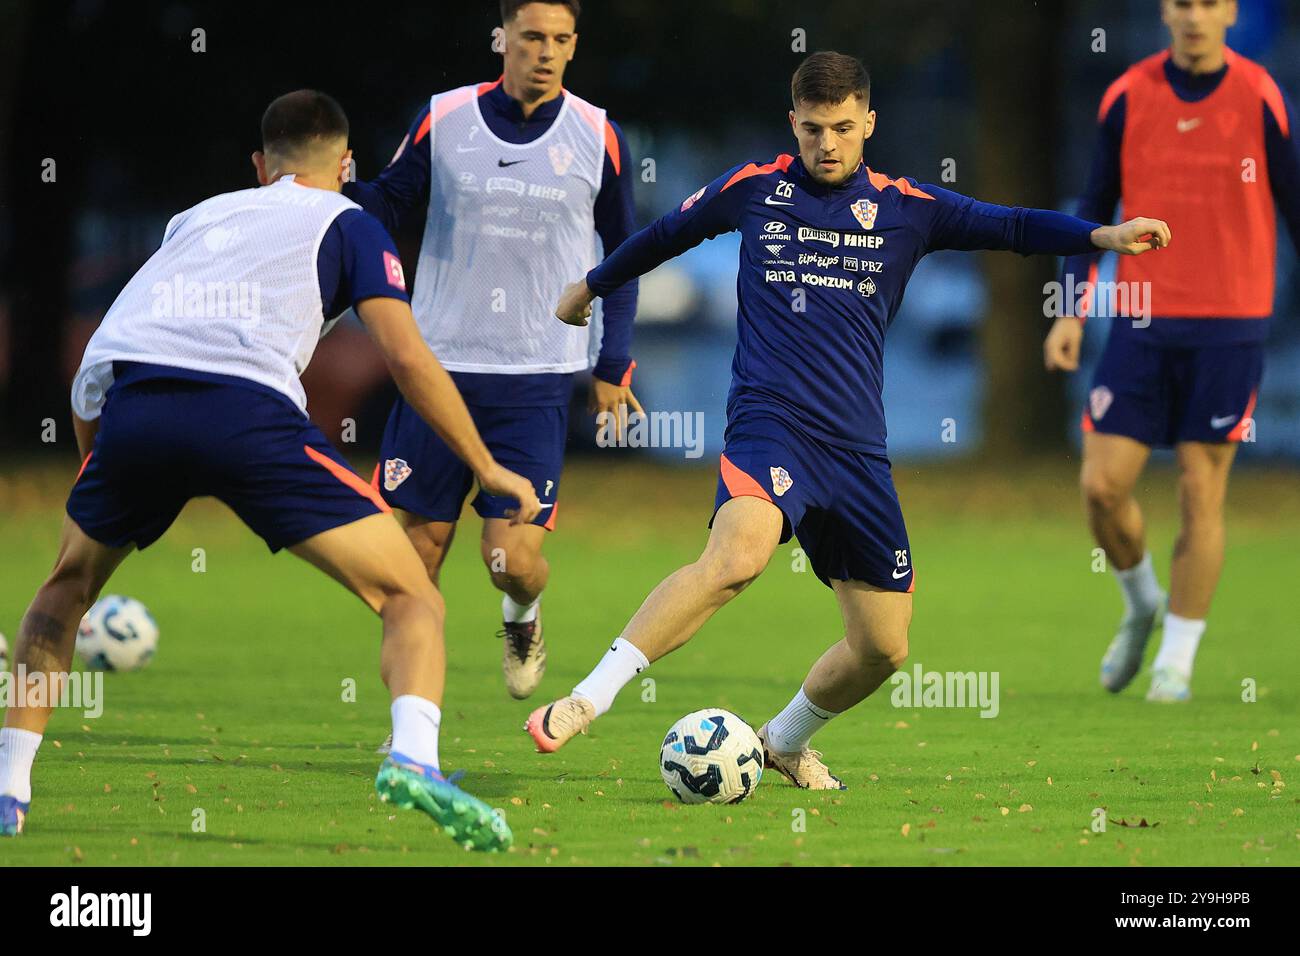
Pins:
x: 496, y: 100
x: 856, y: 181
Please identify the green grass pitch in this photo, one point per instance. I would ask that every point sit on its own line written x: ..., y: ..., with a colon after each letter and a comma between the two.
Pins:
x: 243, y: 713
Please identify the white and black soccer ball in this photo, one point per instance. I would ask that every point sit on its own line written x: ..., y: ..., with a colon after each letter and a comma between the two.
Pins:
x: 117, y: 634
x: 711, y: 756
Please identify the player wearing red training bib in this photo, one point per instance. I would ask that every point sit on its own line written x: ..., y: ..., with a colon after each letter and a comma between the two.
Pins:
x: 1205, y: 136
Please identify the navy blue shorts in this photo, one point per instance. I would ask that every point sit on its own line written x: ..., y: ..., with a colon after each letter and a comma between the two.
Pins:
x: 1162, y: 395
x: 418, y: 473
x: 840, y: 502
x: 164, y: 441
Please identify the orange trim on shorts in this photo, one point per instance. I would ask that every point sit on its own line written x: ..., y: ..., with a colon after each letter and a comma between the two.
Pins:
x: 348, y: 477
x: 550, y: 522
x: 1086, y: 423
x: 82, y: 470
x: 911, y: 585
x: 1237, y: 433
x: 741, y: 484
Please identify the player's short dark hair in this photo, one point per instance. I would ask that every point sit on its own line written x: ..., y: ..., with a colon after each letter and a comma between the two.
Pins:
x: 828, y: 77
x: 299, y: 121
x: 510, y: 7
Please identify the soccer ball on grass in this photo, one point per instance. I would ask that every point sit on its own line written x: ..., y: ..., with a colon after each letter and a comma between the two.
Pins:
x: 711, y: 756
x: 117, y: 634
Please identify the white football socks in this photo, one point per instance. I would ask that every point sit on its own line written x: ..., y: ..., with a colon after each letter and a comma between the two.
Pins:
x: 416, y: 721
x: 1139, y: 586
x: 1178, y: 644
x: 17, y: 751
x: 513, y: 613
x: 790, y: 730
x: 621, y: 663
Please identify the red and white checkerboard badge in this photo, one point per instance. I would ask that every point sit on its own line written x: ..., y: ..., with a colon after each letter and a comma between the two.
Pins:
x: 864, y: 211
x: 396, y: 471
x: 691, y: 200
x: 781, y: 481
x: 393, y: 269
x: 561, y: 155
x: 1099, y: 400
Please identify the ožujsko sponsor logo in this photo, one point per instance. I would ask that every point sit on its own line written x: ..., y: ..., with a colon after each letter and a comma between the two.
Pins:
x: 828, y: 236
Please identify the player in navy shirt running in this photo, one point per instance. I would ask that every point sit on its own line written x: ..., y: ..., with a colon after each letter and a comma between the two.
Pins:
x: 515, y: 180
x: 827, y: 248
x: 189, y: 388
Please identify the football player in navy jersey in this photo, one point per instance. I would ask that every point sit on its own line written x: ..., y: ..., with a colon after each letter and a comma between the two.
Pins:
x: 827, y: 248
x: 185, y: 394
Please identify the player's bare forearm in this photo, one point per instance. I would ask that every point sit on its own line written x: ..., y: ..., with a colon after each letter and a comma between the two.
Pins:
x: 428, y: 388
x: 422, y: 380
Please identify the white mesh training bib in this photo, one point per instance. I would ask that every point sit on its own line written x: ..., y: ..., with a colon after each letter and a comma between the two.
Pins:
x: 508, y: 227
x: 233, y: 289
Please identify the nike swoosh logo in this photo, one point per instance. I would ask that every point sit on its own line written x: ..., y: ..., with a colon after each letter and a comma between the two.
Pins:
x: 906, y: 572
x: 1186, y: 126
x: 1222, y: 422
x: 552, y: 505
x: 773, y: 202
x: 514, y: 162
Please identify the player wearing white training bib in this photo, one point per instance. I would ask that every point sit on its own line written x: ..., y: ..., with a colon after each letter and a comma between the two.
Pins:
x: 189, y: 389
x: 521, y: 183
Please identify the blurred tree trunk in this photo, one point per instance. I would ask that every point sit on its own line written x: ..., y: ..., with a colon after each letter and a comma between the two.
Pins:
x: 46, y: 104
x: 1018, y: 95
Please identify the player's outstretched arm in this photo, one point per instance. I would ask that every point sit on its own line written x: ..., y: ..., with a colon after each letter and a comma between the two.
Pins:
x: 713, y: 210
x: 430, y: 391
x: 1134, y: 237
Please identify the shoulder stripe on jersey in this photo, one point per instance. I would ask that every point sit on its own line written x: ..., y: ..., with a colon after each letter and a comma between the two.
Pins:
x: 1152, y: 66
x: 420, y: 133
x: 1268, y: 89
x: 611, y: 147
x: 1265, y: 86
x: 454, y: 100
x: 883, y: 182
x: 1113, y: 92
x: 782, y: 163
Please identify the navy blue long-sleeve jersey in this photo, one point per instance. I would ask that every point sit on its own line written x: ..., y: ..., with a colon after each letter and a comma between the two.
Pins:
x: 399, y: 198
x: 822, y: 273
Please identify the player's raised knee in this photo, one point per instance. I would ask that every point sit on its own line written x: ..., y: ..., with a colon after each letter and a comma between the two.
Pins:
x: 732, y: 569
x: 511, y: 568
x: 1101, y: 492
